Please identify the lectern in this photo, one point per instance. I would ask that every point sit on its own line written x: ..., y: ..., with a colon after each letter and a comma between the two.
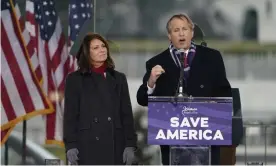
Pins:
x: 190, y: 125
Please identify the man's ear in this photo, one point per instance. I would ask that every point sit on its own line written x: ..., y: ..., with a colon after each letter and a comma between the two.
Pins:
x: 169, y: 36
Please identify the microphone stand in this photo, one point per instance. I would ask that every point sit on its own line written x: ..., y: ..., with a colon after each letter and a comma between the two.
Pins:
x: 179, y: 93
x: 181, y: 77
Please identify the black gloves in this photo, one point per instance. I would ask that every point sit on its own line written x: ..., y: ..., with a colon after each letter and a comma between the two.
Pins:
x: 72, y: 156
x: 129, y: 155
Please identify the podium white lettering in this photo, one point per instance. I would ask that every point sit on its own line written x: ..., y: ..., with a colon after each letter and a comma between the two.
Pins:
x: 191, y: 133
x: 190, y: 122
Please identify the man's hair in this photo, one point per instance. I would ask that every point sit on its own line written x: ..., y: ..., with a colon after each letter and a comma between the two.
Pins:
x: 83, y: 55
x: 182, y: 17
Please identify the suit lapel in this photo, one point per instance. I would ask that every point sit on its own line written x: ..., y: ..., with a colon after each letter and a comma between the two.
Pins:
x: 196, y: 61
x: 107, y: 89
x: 169, y: 62
x: 113, y: 85
x: 91, y: 90
x: 101, y: 88
x: 196, y: 66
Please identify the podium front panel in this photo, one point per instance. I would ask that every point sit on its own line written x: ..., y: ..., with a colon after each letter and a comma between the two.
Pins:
x: 190, y: 155
x: 190, y: 121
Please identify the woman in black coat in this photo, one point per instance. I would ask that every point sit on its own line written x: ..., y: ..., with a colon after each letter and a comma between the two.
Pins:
x: 98, y: 120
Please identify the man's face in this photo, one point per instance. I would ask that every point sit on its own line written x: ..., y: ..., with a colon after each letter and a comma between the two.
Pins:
x: 180, y: 33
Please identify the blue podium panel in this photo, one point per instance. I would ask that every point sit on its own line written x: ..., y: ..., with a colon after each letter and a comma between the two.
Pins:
x: 190, y: 126
x: 196, y: 121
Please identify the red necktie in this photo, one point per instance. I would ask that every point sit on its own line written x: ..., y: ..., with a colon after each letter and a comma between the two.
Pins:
x: 185, y: 61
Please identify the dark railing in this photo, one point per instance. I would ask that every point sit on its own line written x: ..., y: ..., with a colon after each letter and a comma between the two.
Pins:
x: 265, y: 152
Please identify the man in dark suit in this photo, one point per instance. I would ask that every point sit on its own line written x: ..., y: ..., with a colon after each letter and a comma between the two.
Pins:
x: 204, y: 72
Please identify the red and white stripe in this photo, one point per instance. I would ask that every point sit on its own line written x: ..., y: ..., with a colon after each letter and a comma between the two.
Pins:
x: 21, y: 94
x: 30, y: 44
x: 55, y: 64
x: 73, y: 59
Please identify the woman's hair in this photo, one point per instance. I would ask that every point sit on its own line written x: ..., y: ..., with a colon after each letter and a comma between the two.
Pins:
x: 83, y: 54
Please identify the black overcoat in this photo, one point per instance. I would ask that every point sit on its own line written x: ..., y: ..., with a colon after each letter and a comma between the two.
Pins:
x: 207, y: 78
x: 98, y: 118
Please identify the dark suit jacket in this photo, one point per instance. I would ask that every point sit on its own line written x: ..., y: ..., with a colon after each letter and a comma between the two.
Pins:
x: 207, y: 79
x: 98, y: 118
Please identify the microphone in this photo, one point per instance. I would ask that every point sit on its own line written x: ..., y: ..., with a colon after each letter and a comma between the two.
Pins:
x: 181, y: 76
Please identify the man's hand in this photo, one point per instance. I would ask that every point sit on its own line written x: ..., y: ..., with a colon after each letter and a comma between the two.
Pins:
x: 156, y: 72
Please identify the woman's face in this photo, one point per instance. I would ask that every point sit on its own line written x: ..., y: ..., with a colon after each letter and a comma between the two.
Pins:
x: 98, y: 52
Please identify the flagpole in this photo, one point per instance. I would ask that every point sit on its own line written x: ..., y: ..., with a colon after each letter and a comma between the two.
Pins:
x: 24, y: 148
x: 94, y: 15
x: 6, y: 155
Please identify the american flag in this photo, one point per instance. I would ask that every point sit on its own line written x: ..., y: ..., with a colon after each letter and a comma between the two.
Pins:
x: 22, y: 96
x: 79, y: 12
x: 45, y: 28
